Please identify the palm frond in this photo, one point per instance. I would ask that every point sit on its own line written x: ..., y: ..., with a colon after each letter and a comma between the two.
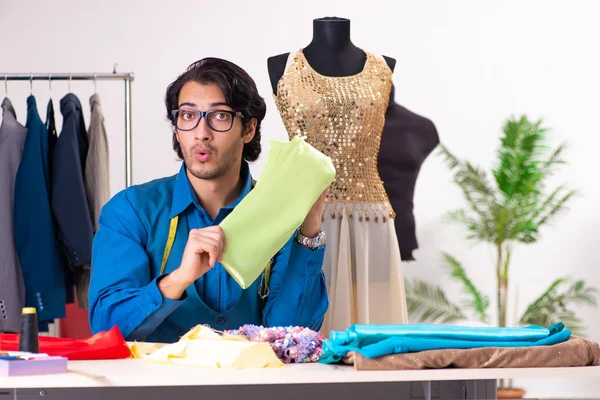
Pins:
x: 520, y: 176
x: 548, y: 202
x: 553, y: 305
x: 429, y: 303
x: 476, y: 189
x: 518, y: 169
x: 567, y: 317
x: 552, y: 209
x: 477, y: 229
x: 451, y: 160
x: 519, y: 224
x: 555, y: 158
x: 478, y: 302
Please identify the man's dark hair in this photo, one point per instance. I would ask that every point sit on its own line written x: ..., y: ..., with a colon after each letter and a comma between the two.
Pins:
x: 240, y: 93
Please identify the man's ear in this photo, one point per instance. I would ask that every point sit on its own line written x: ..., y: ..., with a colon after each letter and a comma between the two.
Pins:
x: 250, y: 131
x: 177, y: 135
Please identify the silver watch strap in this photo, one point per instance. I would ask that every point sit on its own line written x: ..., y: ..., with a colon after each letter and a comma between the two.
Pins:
x: 311, y: 243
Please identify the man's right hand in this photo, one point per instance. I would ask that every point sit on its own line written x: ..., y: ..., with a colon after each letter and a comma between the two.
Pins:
x: 203, y: 249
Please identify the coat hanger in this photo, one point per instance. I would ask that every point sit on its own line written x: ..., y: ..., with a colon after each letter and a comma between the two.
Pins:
x: 6, y: 85
x: 50, y: 85
x: 31, y: 85
x: 70, y: 79
x: 95, y: 86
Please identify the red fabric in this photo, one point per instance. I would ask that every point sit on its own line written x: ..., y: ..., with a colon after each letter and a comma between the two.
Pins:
x: 75, y: 324
x: 101, y: 346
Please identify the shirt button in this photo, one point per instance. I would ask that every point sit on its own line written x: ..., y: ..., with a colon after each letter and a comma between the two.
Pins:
x: 311, y: 262
x: 221, y: 320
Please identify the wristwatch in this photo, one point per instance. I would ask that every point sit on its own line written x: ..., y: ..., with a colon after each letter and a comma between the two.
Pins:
x: 313, y: 243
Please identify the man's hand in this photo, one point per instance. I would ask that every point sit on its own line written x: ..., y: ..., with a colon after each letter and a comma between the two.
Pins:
x: 203, y: 249
x: 312, y: 223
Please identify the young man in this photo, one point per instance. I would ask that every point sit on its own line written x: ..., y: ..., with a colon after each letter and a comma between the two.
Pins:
x: 216, y: 113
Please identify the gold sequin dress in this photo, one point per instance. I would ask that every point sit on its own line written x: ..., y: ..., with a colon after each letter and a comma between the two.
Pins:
x: 343, y: 117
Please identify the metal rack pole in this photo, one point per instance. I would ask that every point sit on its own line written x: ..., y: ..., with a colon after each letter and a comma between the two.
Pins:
x: 68, y: 76
x: 128, y: 172
x: 128, y: 77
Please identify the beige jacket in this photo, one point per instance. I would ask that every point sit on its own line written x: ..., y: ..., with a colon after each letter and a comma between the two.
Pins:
x: 96, y: 167
x: 97, y: 185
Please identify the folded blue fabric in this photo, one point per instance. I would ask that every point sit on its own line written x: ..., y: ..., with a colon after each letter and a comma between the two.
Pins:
x: 379, y: 340
x: 361, y: 334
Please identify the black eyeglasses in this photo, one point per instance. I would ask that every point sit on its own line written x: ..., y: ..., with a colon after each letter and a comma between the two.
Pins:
x: 217, y: 120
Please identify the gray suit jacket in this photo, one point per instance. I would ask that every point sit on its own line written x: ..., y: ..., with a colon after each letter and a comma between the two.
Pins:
x: 12, y: 290
x: 96, y: 167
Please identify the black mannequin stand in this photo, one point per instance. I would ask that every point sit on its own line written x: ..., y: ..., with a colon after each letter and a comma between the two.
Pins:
x: 406, y: 141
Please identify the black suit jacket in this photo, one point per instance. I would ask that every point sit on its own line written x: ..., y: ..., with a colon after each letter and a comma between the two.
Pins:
x: 69, y: 201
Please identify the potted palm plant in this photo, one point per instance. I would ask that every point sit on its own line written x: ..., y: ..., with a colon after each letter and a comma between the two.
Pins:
x: 504, y: 212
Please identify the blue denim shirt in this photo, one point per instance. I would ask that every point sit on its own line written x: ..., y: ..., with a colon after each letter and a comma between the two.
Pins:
x: 126, y: 260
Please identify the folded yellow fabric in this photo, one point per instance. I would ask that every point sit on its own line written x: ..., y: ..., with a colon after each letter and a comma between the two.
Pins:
x: 294, y: 176
x: 203, y: 347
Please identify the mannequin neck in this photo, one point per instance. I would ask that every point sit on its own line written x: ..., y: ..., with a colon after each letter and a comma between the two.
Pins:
x: 331, y: 34
x: 331, y: 52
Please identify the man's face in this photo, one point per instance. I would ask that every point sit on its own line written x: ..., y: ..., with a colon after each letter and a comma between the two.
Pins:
x: 209, y: 154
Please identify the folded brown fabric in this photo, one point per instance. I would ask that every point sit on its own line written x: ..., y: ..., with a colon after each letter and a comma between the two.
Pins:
x: 575, y: 352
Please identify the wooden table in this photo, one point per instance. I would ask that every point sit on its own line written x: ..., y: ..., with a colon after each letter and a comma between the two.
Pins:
x: 136, y: 379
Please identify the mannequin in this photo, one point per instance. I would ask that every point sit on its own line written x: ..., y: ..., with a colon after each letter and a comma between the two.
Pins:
x: 406, y: 141
x: 331, y: 52
x: 335, y: 95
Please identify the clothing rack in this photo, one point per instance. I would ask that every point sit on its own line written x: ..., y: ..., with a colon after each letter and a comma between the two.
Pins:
x: 123, y: 76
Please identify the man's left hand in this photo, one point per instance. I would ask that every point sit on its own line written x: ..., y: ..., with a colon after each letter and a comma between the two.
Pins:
x: 312, y: 223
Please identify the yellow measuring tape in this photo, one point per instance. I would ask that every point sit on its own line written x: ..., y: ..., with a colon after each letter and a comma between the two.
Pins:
x: 170, y: 241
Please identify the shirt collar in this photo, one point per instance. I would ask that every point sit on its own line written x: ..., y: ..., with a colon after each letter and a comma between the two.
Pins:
x: 183, y: 194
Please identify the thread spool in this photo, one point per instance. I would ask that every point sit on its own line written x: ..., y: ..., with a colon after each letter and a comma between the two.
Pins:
x: 28, y: 338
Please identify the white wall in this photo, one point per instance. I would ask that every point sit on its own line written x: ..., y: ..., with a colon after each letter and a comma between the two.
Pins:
x: 467, y: 65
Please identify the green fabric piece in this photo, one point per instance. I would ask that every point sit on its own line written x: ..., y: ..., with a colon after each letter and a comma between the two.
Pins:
x: 294, y: 176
